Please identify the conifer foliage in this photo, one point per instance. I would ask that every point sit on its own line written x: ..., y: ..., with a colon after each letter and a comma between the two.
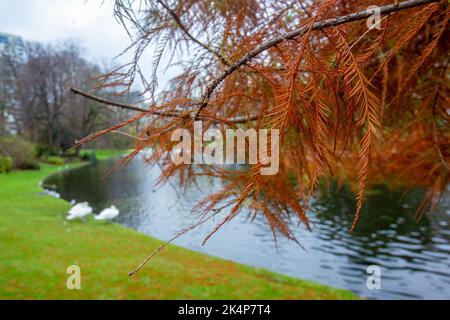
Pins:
x: 359, y: 105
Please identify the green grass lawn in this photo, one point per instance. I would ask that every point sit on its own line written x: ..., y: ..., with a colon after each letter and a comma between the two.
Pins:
x: 103, y: 154
x: 37, y: 245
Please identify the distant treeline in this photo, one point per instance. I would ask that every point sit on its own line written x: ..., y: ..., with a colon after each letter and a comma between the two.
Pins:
x: 36, y: 104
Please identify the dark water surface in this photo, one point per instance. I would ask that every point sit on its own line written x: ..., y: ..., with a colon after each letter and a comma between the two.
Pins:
x: 414, y: 258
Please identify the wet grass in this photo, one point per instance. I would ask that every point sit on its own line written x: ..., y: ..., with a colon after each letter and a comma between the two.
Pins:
x: 37, y: 245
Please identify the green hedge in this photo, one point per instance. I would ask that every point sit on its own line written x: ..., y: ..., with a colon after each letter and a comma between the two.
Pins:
x: 6, y: 164
x: 21, y: 151
x: 55, y: 160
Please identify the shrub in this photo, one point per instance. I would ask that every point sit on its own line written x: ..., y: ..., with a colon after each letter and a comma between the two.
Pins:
x: 41, y: 150
x: 55, y: 160
x: 88, y: 156
x: 29, y: 164
x: 6, y: 164
x: 21, y: 151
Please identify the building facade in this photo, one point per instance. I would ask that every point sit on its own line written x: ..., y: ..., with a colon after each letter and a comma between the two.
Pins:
x: 11, y: 54
x: 11, y: 44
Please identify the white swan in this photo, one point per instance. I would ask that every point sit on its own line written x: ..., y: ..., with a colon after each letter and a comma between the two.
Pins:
x: 108, y: 214
x: 52, y: 193
x: 79, y: 211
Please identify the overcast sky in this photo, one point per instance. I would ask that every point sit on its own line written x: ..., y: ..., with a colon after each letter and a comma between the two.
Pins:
x: 89, y: 21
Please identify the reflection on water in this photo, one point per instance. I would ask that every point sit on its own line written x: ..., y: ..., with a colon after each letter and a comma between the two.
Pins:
x: 414, y: 258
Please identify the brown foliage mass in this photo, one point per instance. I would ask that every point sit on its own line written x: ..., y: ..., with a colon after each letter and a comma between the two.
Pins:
x: 361, y: 106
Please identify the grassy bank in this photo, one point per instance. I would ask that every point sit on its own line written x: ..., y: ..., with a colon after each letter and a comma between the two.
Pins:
x: 37, y: 245
x: 104, y: 154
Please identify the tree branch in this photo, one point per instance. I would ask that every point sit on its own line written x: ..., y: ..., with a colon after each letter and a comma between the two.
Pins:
x: 105, y: 101
x: 86, y: 95
x: 190, y: 36
x: 388, y: 9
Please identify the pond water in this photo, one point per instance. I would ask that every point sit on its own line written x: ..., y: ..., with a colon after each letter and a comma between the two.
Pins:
x: 414, y: 257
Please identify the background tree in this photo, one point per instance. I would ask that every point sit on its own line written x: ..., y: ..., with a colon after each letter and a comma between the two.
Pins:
x: 355, y: 104
x: 47, y: 113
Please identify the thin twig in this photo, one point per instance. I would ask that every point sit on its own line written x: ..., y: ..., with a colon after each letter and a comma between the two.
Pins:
x: 165, y: 244
x: 190, y: 36
x: 435, y: 135
x: 235, y: 120
x: 107, y: 102
x: 125, y: 134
